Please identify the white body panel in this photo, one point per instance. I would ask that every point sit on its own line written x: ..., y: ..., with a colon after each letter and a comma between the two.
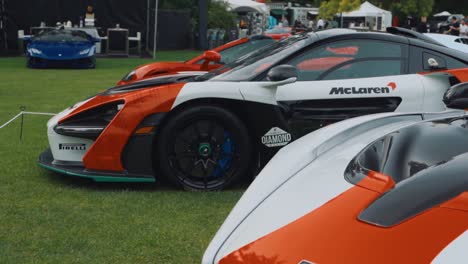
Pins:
x: 449, y: 41
x: 418, y: 92
x: 200, y: 90
x: 408, y: 87
x: 455, y: 253
x: 300, y: 178
x: 64, y: 154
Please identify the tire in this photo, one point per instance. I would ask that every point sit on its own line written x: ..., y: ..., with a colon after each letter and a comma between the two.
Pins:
x: 203, y: 148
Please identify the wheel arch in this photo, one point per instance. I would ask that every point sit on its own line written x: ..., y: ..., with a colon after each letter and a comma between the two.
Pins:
x: 258, y: 118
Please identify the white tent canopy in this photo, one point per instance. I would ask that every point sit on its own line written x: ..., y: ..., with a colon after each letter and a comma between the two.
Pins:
x: 445, y: 13
x: 369, y: 10
x: 247, y: 6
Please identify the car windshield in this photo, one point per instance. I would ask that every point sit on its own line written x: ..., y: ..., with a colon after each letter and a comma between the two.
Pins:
x: 63, y: 36
x: 252, y: 64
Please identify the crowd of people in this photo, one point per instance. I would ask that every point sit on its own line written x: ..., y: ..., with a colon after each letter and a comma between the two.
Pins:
x: 457, y: 27
x: 311, y: 24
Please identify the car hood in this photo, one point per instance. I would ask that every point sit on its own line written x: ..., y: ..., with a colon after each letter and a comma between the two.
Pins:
x: 166, y: 67
x: 61, y: 50
x: 300, y: 178
x: 178, y: 77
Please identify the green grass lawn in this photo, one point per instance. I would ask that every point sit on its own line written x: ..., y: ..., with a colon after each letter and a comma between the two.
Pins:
x: 49, y: 218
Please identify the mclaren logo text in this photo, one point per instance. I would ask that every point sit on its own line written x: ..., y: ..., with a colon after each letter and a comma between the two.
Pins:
x: 72, y: 146
x: 276, y: 137
x: 363, y: 90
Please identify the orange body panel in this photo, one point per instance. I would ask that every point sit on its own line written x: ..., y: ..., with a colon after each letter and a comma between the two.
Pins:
x: 460, y: 202
x: 460, y: 74
x: 105, y: 153
x: 377, y: 182
x: 333, y: 234
x: 220, y: 48
x: 279, y: 36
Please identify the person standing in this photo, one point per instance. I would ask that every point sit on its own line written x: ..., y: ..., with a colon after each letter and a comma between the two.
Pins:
x: 89, y: 12
x: 463, y: 28
x: 422, y: 26
x: 285, y: 22
x: 320, y: 24
x: 454, y: 28
x: 311, y: 24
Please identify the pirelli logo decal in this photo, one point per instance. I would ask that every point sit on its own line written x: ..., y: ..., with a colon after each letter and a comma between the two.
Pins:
x: 72, y: 146
x: 363, y: 90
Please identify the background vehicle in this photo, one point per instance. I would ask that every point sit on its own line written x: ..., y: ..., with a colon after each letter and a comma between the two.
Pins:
x: 454, y: 42
x: 359, y: 186
x: 61, y: 48
x: 279, y: 32
x: 209, y: 131
x: 205, y: 62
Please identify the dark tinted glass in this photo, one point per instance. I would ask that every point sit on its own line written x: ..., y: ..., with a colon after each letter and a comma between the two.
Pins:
x: 63, y: 35
x: 342, y: 56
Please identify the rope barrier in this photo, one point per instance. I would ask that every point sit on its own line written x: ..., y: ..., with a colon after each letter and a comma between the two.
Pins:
x: 20, y: 114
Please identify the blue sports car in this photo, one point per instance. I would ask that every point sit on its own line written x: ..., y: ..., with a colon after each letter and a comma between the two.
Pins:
x: 62, y: 48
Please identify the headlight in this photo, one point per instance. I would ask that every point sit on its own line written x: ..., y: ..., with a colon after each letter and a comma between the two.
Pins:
x: 83, y: 52
x: 35, y: 51
x: 90, y: 123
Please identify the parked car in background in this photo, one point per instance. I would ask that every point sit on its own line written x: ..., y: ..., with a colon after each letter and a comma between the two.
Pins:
x: 279, y: 32
x: 207, y: 61
x: 349, y: 192
x: 455, y: 42
x: 61, y: 48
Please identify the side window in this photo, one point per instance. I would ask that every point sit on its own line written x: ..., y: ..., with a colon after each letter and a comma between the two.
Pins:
x: 462, y: 40
x: 351, y: 59
x: 440, y: 61
x: 365, y: 69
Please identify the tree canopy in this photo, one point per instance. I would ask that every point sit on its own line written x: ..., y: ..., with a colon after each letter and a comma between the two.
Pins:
x: 328, y: 9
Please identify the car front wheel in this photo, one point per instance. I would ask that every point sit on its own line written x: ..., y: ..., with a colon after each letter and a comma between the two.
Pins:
x: 204, y: 148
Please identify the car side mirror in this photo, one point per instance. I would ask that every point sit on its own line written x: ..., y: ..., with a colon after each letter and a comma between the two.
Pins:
x: 281, y: 73
x: 457, y: 96
x: 212, y: 55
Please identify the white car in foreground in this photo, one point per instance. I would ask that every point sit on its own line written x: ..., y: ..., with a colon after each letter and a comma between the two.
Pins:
x: 459, y: 43
x: 384, y: 188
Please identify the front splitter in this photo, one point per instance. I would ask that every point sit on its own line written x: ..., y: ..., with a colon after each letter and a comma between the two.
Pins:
x: 46, y: 161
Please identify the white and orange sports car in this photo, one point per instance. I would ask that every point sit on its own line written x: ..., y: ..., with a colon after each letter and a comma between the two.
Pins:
x: 385, y: 188
x: 207, y: 132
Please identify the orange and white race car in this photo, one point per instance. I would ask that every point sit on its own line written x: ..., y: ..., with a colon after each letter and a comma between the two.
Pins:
x: 209, y: 131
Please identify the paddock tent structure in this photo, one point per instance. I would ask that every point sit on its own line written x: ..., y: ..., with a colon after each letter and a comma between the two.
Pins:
x: 247, y: 6
x: 136, y: 16
x: 382, y: 18
x: 442, y: 14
